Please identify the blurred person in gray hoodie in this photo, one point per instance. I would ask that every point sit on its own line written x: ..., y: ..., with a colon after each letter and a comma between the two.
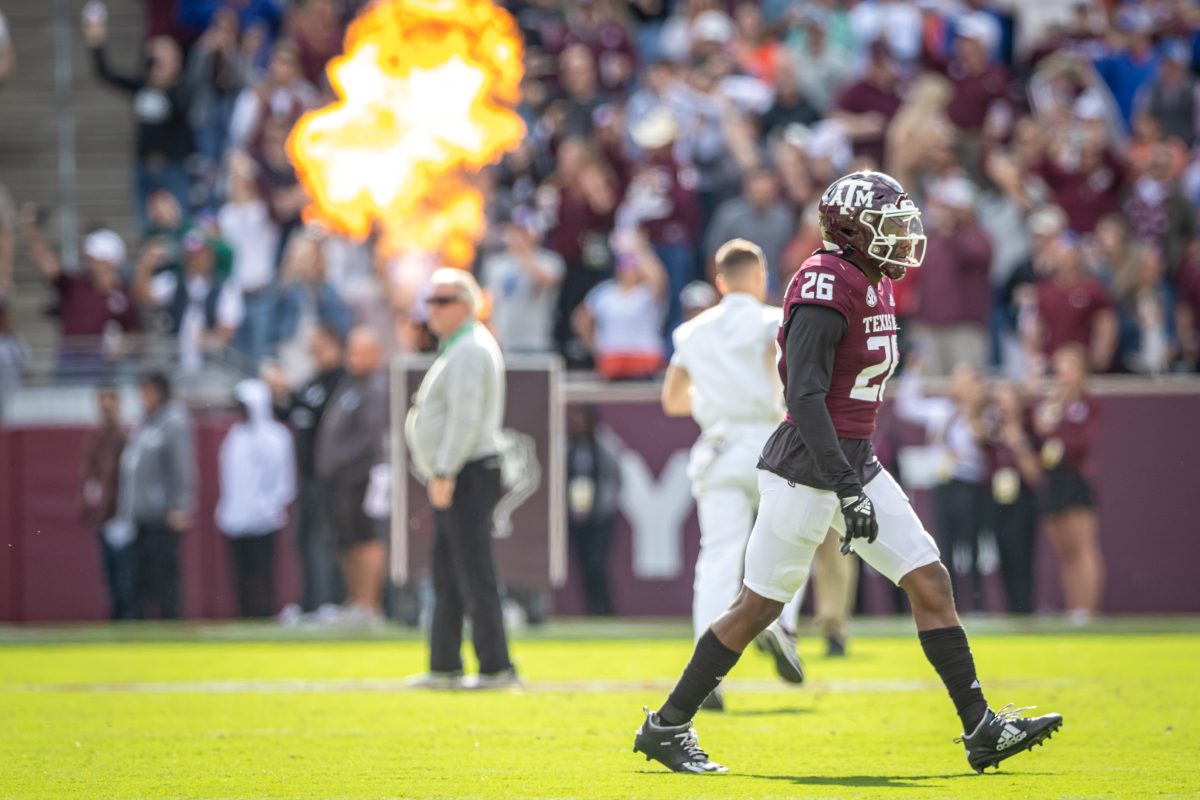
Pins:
x: 349, y: 443
x: 453, y: 432
x: 157, y: 495
x: 258, y: 482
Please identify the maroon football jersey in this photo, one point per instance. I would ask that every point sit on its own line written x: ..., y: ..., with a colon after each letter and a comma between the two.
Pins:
x: 867, y: 354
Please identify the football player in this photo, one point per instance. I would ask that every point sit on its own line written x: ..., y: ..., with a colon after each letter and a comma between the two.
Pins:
x: 838, y: 345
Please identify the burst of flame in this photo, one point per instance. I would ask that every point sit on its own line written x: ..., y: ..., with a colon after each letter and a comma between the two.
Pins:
x: 426, y: 92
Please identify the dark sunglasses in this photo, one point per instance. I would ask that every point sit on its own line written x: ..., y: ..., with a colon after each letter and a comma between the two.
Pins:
x: 442, y: 300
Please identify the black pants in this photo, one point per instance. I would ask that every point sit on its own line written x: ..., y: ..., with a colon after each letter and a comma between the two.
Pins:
x: 117, y: 563
x: 464, y: 574
x: 961, y: 508
x: 254, y: 573
x: 320, y: 574
x: 1016, y: 529
x: 156, y: 555
x: 591, y: 538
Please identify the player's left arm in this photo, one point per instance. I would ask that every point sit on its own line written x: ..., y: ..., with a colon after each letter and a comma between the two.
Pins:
x: 813, y: 335
x: 677, y: 392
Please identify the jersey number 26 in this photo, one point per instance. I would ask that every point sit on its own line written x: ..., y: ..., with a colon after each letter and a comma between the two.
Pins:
x: 817, y: 286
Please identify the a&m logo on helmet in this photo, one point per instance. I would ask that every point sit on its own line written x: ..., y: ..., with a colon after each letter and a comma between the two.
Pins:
x: 850, y: 193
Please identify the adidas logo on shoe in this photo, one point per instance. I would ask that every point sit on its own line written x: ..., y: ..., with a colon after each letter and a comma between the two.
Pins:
x: 1009, y: 736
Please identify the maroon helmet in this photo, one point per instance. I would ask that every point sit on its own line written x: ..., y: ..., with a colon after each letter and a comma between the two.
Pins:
x: 868, y: 214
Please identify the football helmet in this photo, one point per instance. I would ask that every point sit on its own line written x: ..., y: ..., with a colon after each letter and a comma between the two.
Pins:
x: 868, y: 214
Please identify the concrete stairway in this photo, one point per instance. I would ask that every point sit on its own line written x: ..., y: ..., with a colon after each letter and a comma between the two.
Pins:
x: 29, y: 138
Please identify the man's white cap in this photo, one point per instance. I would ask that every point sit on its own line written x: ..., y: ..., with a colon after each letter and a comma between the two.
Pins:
x: 956, y: 192
x: 104, y: 245
x: 657, y: 129
x: 1047, y: 221
x: 979, y: 26
x: 712, y: 26
x: 828, y: 140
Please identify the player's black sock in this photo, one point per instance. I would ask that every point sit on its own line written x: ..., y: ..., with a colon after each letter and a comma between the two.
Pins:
x: 710, y: 663
x: 950, y: 654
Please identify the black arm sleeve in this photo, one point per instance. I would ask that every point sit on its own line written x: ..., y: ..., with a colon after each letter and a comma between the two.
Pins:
x: 100, y: 63
x: 812, y: 337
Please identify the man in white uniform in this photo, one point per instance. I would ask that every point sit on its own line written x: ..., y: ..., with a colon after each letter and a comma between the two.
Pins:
x: 723, y: 374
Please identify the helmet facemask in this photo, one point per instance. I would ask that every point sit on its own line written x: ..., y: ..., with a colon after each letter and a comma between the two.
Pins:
x: 898, y: 238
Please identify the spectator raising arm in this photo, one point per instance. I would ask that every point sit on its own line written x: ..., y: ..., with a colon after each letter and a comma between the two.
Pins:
x: 45, y: 259
x: 583, y: 323
x: 95, y: 33
x: 650, y: 267
x: 523, y: 246
x: 152, y: 256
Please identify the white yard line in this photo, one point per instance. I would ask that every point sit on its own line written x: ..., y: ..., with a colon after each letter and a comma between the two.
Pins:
x: 348, y: 685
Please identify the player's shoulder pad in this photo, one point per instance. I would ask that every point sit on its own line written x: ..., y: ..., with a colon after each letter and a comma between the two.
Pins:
x: 826, y: 280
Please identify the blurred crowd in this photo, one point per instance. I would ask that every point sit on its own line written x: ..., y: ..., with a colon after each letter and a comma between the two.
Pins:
x: 1004, y: 460
x: 1053, y: 151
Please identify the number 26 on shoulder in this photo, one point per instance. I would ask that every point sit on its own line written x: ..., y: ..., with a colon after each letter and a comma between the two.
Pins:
x: 817, y: 286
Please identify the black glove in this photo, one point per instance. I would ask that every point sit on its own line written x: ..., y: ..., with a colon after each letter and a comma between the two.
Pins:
x: 859, y: 514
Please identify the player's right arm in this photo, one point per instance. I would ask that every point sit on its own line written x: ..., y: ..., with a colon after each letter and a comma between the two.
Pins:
x: 677, y: 392
x: 812, y: 338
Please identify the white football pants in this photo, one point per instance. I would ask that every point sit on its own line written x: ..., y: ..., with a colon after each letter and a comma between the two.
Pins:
x: 724, y: 473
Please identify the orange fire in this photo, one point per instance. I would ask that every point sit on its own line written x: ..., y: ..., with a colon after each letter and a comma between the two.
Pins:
x: 426, y: 92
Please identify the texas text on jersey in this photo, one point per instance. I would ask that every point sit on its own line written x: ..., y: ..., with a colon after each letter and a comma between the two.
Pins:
x: 863, y: 360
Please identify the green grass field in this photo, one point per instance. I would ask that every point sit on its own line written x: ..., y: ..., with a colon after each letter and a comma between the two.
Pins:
x: 245, y: 711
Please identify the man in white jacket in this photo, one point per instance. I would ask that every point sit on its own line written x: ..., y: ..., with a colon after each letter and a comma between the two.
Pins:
x: 258, y: 483
x: 723, y: 374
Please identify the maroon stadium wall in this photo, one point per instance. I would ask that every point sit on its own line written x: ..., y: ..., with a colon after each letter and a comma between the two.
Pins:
x: 1148, y: 457
x: 49, y: 558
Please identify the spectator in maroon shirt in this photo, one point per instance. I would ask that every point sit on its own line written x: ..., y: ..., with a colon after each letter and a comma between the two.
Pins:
x: 950, y: 323
x: 593, y: 24
x: 315, y: 28
x: 1016, y: 474
x: 979, y: 86
x: 662, y: 201
x: 1086, y: 178
x: 1072, y: 307
x: 99, y: 491
x: 1067, y: 423
x: 581, y: 93
x: 277, y: 180
x: 866, y: 106
x: 94, y: 308
x: 577, y: 205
